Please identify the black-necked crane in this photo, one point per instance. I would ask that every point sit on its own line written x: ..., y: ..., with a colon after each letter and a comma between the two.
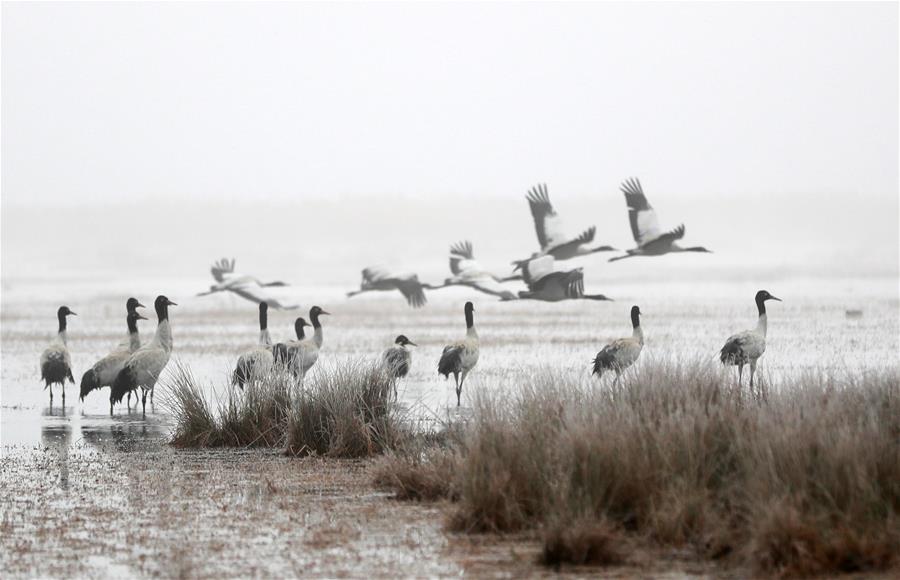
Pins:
x: 302, y: 354
x: 375, y: 279
x: 56, y: 364
x: 284, y: 353
x: 256, y: 361
x: 551, y: 235
x: 746, y: 347
x: 146, y: 364
x: 397, y: 359
x: 468, y: 272
x: 623, y: 352
x: 460, y: 357
x: 651, y: 241
x: 547, y: 284
x: 105, y: 370
x: 244, y: 286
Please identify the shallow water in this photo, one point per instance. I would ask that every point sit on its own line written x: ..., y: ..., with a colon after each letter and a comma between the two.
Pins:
x: 808, y: 330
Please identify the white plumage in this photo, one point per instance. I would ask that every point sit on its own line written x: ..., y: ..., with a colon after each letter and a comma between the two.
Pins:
x: 460, y: 357
x: 56, y: 363
x: 623, y: 352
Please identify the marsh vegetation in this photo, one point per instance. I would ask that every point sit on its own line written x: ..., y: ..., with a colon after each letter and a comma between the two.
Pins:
x: 803, y: 481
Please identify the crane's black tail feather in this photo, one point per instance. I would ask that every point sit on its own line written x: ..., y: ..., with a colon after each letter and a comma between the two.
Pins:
x: 90, y: 381
x: 126, y: 381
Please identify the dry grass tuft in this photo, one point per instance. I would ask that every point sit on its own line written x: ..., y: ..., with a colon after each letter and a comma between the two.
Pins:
x: 419, y: 470
x: 344, y: 411
x: 582, y: 543
x: 806, y: 481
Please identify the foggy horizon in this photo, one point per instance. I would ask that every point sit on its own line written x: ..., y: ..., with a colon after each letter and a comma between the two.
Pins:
x: 312, y: 140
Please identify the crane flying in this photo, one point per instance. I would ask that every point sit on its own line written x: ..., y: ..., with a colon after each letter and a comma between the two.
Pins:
x: 651, y: 241
x: 246, y: 287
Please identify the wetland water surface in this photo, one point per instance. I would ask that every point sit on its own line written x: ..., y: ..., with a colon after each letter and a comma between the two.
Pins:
x: 86, y: 494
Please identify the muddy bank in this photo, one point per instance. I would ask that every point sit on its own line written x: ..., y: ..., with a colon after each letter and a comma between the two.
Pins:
x: 140, y: 508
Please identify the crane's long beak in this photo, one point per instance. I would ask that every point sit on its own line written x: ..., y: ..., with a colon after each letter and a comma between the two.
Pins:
x: 139, y: 305
x: 73, y: 313
x: 170, y: 303
x: 412, y: 343
x: 774, y: 298
x: 323, y: 312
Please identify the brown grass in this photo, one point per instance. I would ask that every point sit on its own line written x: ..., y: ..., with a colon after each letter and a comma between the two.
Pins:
x: 582, y: 543
x: 804, y: 482
x: 341, y: 411
x: 345, y: 411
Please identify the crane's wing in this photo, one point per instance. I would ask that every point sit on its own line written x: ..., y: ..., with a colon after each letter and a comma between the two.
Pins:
x: 221, y: 268
x: 547, y: 223
x: 537, y: 268
x: 462, y: 257
x: 412, y: 290
x: 487, y: 284
x: 575, y: 284
x: 373, y: 275
x: 644, y: 225
x: 670, y: 236
x: 252, y: 291
x: 586, y: 237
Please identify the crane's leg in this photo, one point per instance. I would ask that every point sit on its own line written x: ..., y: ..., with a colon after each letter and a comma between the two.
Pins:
x: 752, y: 371
x: 152, y: 389
x: 740, y: 373
x: 144, y: 401
x: 64, y: 393
x: 129, y: 400
x: 110, y: 407
x: 458, y: 387
x: 51, y: 394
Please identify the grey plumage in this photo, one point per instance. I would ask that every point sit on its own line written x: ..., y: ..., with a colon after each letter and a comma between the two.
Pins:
x: 56, y: 364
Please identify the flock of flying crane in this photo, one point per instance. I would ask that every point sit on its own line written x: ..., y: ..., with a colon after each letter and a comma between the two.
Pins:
x: 132, y: 366
x: 544, y: 280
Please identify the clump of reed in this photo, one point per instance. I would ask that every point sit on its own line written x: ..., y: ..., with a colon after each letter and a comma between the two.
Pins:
x: 804, y: 482
x: 339, y: 411
x: 253, y: 417
x: 345, y: 411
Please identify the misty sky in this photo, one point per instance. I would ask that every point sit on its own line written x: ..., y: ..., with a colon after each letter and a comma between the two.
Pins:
x: 311, y: 140
x: 283, y: 101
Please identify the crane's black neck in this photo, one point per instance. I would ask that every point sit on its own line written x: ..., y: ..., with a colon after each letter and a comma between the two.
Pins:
x: 314, y: 318
x: 131, y: 320
x: 470, y: 319
x: 263, y: 317
x: 761, y: 305
x: 162, y: 311
x: 298, y: 328
x: 62, y: 321
x: 635, y: 318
